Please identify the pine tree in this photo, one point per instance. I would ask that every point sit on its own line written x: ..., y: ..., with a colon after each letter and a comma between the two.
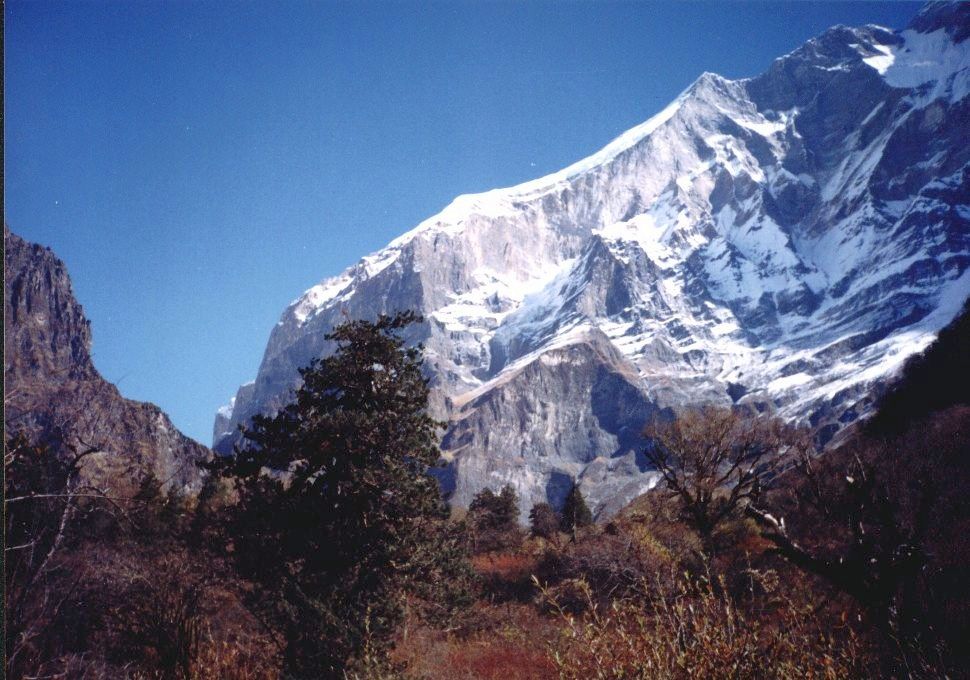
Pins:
x: 575, y: 512
x: 338, y: 515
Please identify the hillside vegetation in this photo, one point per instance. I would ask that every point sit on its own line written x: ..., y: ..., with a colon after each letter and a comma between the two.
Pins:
x: 322, y: 550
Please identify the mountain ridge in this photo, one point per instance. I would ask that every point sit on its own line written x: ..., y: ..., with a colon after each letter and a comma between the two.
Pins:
x: 54, y: 394
x: 782, y: 241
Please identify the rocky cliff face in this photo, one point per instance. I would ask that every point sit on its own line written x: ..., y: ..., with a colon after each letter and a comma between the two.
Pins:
x: 53, y: 392
x: 784, y: 241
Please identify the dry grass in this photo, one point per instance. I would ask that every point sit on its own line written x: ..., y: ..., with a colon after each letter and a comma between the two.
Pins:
x: 236, y: 659
x: 510, y: 643
x: 505, y: 566
x: 694, y: 634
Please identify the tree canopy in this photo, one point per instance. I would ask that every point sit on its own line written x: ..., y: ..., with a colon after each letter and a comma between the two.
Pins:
x: 714, y: 461
x: 337, y: 510
x: 543, y: 520
x: 494, y: 519
x: 575, y: 512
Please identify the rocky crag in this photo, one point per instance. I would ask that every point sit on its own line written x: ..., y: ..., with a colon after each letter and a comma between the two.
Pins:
x: 783, y: 241
x: 53, y: 392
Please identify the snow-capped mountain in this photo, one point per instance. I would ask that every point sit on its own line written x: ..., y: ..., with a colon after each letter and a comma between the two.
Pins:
x: 785, y: 240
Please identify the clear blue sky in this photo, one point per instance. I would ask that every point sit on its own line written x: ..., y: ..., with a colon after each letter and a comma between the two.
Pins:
x: 199, y: 164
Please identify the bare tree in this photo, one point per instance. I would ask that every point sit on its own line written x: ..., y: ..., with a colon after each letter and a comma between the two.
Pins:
x: 884, y: 521
x: 43, y: 493
x: 162, y: 607
x: 714, y: 461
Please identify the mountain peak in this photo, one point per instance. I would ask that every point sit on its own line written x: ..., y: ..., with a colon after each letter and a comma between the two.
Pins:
x: 781, y: 242
x: 953, y: 17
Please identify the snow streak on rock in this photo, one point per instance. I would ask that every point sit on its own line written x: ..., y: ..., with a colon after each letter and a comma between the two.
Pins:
x: 784, y: 241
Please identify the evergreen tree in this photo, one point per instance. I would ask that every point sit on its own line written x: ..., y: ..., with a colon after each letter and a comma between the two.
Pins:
x: 544, y: 520
x: 495, y: 519
x: 337, y: 514
x: 575, y: 512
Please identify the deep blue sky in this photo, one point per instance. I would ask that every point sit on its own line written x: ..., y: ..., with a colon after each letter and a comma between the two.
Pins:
x: 199, y: 164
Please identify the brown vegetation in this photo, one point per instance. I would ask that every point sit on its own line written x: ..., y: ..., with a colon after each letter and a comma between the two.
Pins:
x: 150, y: 593
x: 691, y: 632
x: 753, y: 559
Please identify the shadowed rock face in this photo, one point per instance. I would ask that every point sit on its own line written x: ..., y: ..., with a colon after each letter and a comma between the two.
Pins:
x: 565, y: 413
x: 53, y: 392
x: 783, y: 242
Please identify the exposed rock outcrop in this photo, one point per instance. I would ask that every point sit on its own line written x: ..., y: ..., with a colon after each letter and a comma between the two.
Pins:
x: 783, y: 241
x: 53, y: 392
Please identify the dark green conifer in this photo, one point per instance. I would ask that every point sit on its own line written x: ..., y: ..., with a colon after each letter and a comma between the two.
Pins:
x: 338, y: 517
x: 575, y: 512
x: 494, y: 519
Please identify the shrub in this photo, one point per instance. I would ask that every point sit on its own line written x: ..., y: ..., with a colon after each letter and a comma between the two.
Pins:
x: 694, y: 634
x: 494, y: 520
x: 543, y: 520
x: 615, y: 565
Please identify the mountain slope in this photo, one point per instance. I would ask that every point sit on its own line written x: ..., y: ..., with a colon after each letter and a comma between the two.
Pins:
x: 53, y: 392
x: 784, y: 241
